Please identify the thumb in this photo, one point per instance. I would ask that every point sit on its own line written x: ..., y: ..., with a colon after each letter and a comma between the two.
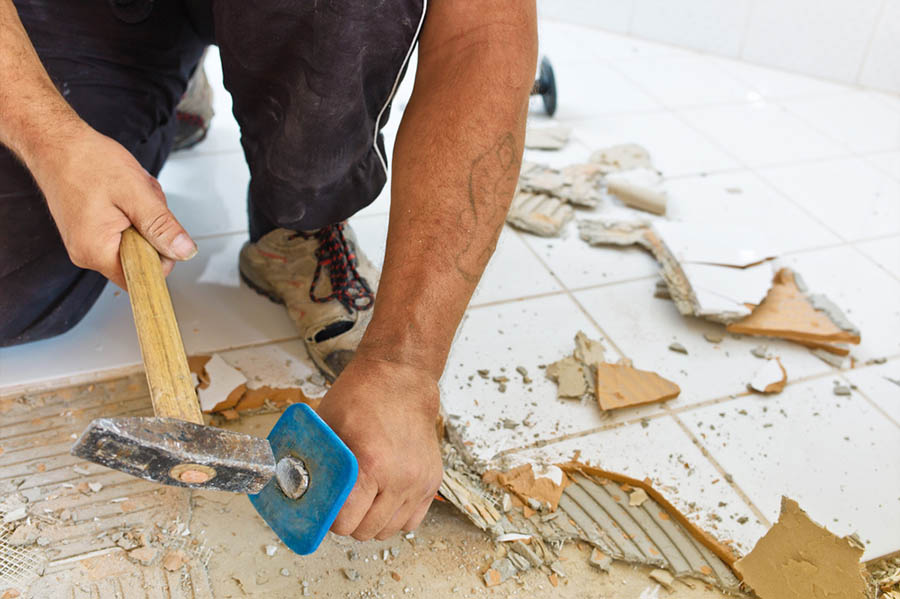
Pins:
x: 158, y: 225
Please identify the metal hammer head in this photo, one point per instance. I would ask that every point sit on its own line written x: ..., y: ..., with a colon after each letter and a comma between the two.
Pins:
x: 175, y: 452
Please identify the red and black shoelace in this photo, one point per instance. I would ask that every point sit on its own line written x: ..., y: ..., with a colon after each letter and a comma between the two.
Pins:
x: 347, y: 286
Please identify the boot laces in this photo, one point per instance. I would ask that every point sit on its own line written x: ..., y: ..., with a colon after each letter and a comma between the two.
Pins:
x: 347, y: 285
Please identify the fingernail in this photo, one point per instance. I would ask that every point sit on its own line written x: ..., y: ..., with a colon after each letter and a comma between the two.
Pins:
x: 184, y: 247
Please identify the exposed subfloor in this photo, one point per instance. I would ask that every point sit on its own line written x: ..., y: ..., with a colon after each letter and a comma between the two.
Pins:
x: 222, y: 538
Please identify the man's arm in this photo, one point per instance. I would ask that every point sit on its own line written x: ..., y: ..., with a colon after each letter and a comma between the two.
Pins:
x: 456, y: 163
x: 93, y: 186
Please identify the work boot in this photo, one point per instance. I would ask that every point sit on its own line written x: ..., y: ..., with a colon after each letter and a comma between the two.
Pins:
x: 194, y: 112
x: 326, y: 283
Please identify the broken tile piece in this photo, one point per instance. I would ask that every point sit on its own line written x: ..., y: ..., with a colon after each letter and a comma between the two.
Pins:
x: 637, y: 497
x: 226, y: 386
x: 620, y: 386
x: 542, y: 484
x: 569, y: 376
x: 798, y: 559
x: 639, y: 188
x: 500, y: 571
x: 760, y: 351
x: 539, y: 214
x: 143, y: 555
x: 841, y: 390
x: 600, y: 560
x: 587, y: 351
x: 621, y: 157
x: 678, y: 348
x: 714, y: 337
x: 664, y: 578
x: 788, y: 313
x: 174, y: 560
x: 547, y: 138
x: 770, y: 378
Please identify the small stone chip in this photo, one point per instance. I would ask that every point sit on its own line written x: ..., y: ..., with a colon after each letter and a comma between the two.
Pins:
x: 664, y: 578
x: 350, y: 573
x: 95, y: 487
x: 760, y: 351
x: 395, y: 575
x: 714, y: 337
x: 677, y: 347
x: 174, y: 560
x: 143, y: 555
x: 600, y: 560
x: 484, y: 373
x: 637, y: 497
x: 500, y: 570
x: 841, y: 390
x: 270, y: 550
x: 284, y: 572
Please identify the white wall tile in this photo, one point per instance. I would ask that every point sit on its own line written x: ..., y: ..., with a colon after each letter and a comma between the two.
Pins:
x: 613, y: 15
x: 827, y: 38
x: 881, y: 69
x: 705, y: 25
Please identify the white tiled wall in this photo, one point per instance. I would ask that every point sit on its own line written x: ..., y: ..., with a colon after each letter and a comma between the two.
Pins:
x: 850, y: 42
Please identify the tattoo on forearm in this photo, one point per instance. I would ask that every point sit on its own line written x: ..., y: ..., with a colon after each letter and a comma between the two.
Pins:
x: 492, y: 181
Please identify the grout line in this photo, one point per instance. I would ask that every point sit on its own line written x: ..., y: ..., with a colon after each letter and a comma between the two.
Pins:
x: 870, y: 155
x: 568, y: 292
x: 879, y: 18
x: 872, y: 403
x: 725, y: 475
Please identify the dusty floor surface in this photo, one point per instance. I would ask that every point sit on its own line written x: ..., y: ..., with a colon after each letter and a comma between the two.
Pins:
x: 213, y: 545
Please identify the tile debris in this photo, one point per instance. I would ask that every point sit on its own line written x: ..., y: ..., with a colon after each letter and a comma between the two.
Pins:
x: 619, y: 386
x: 770, y: 378
x: 798, y: 559
x: 547, y: 138
x: 678, y: 348
x: 788, y: 312
x: 639, y: 188
x: 539, y: 214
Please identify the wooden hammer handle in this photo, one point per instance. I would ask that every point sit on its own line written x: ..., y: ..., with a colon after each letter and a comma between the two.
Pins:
x: 165, y: 362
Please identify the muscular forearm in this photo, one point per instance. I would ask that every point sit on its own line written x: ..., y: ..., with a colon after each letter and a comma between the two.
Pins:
x: 34, y: 117
x: 456, y: 163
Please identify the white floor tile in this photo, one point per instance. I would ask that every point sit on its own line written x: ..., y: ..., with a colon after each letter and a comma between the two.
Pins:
x: 822, y: 450
x: 851, y: 197
x: 661, y: 450
x: 885, y: 252
x: 643, y: 327
x: 775, y: 83
x: 566, y: 42
x: 586, y: 90
x: 685, y: 81
x: 513, y: 272
x: 762, y: 133
x: 214, y: 310
x: 866, y: 293
x: 207, y: 193
x: 881, y: 384
x: 743, y: 199
x: 524, y: 333
x: 889, y: 162
x: 675, y: 148
x: 856, y: 119
x: 371, y: 232
x: 578, y: 264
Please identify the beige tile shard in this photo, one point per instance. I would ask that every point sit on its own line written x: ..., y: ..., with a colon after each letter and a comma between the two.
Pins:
x: 547, y: 138
x: 540, y: 214
x: 621, y: 157
x: 587, y: 350
x: 620, y: 386
x: 569, y: 376
x: 798, y: 559
x: 640, y: 188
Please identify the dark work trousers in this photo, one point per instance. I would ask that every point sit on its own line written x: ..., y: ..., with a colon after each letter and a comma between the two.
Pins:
x: 311, y: 83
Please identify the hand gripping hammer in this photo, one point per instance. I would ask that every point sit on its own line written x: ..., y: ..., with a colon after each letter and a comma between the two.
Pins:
x: 298, y: 478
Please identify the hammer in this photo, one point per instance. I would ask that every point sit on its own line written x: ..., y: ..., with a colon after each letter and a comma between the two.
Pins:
x: 545, y: 86
x: 297, y: 478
